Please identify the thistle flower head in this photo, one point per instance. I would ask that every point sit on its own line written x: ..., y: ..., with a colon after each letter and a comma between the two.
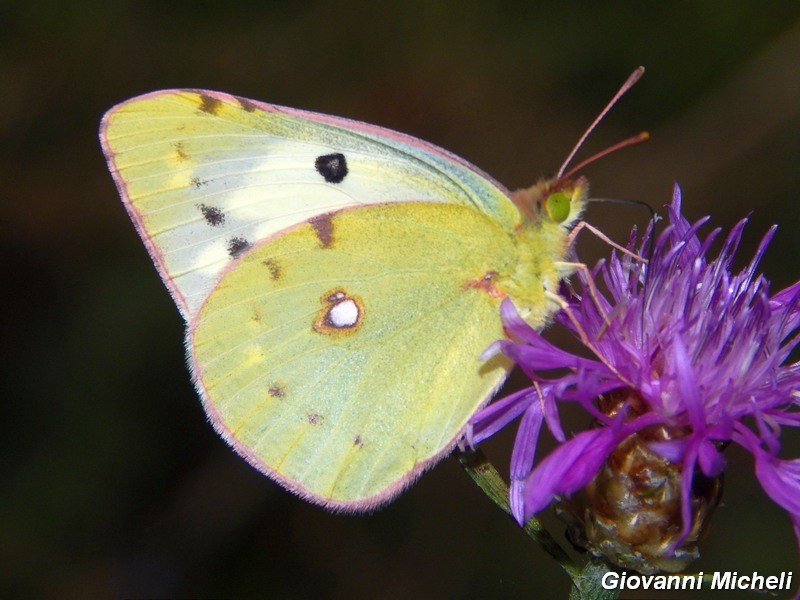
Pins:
x: 688, y: 358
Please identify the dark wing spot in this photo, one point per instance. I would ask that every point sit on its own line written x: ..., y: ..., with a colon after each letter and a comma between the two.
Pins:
x: 314, y: 419
x: 197, y: 182
x: 181, y: 151
x: 236, y: 246
x: 213, y: 215
x: 332, y: 167
x: 274, y: 267
x: 276, y: 391
x: 246, y: 104
x: 323, y: 227
x: 358, y: 441
x: 209, y: 105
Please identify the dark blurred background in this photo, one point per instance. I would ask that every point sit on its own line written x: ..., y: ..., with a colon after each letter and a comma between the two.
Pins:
x: 112, y: 483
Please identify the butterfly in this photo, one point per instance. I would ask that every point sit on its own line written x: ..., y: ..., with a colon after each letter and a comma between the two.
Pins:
x: 339, y: 281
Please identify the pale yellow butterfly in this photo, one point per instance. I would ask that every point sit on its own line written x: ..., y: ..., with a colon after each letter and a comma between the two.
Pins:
x: 339, y: 281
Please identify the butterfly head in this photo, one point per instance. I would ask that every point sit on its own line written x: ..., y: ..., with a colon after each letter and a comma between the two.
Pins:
x: 555, y: 202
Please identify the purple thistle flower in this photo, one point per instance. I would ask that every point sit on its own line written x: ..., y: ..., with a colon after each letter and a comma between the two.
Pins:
x: 689, y: 358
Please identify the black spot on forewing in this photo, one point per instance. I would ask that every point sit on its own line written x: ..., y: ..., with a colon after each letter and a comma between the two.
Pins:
x: 314, y: 419
x: 236, y: 246
x: 213, y: 215
x: 332, y: 167
x: 323, y: 227
x: 197, y: 183
x: 276, y: 391
x: 275, y: 270
x: 209, y: 104
x: 246, y: 104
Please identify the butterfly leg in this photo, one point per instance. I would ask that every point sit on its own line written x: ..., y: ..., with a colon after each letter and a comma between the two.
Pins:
x: 602, y: 236
x: 576, y: 323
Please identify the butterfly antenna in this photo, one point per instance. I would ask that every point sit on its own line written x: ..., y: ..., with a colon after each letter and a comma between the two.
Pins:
x: 632, y: 79
x: 631, y: 141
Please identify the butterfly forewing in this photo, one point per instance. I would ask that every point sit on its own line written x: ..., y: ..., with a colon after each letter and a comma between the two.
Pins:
x: 206, y: 175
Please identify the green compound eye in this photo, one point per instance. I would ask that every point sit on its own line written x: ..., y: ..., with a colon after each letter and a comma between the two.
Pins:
x: 558, y: 206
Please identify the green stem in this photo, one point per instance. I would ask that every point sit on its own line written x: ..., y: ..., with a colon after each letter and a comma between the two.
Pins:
x: 490, y: 481
x: 587, y: 585
x: 586, y: 579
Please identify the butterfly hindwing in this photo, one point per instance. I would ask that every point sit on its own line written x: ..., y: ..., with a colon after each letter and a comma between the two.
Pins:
x: 206, y: 175
x: 341, y: 357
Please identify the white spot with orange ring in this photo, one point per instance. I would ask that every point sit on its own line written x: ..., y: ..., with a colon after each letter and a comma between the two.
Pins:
x: 343, y: 314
